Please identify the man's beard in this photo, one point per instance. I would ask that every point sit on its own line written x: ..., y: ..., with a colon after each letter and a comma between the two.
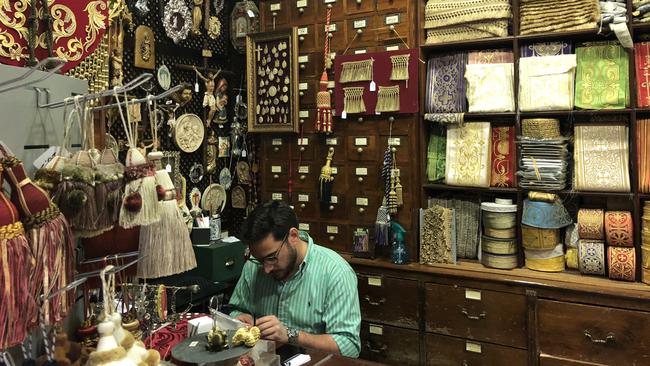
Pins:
x: 282, y: 274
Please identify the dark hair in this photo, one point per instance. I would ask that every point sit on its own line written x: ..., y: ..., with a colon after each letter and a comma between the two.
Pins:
x: 273, y: 217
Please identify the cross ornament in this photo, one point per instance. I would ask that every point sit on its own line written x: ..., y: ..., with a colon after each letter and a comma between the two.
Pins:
x: 258, y: 50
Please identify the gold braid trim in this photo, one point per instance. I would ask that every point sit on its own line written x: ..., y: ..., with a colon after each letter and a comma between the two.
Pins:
x: 42, y: 217
x: 11, y: 231
x: 10, y: 162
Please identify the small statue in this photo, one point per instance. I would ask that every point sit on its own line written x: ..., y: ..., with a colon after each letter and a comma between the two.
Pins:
x: 116, y: 63
x: 197, y: 17
x: 183, y: 96
x: 209, y: 99
x: 211, y: 153
x: 222, y: 101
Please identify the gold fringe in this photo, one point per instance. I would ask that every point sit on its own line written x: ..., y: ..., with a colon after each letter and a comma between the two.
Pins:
x: 11, y: 231
x: 400, y: 64
x: 353, y: 100
x: 356, y: 71
x: 388, y: 99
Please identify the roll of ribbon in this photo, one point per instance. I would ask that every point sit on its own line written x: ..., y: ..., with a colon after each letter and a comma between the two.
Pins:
x: 543, y: 196
x: 591, y: 224
x: 499, y: 220
x: 539, y: 239
x: 545, y: 215
x: 645, y: 276
x: 546, y: 260
x: 571, y: 257
x: 645, y: 256
x: 499, y: 261
x: 591, y: 255
x: 622, y: 263
x: 619, y: 228
x: 498, y: 246
x: 500, y: 233
x: 571, y: 236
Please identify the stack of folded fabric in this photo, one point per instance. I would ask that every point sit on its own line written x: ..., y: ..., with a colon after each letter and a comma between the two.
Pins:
x: 546, y: 83
x: 544, y: 155
x: 537, y: 16
x: 642, y: 66
x: 542, y: 218
x: 467, y: 161
x: 546, y: 49
x: 645, y: 244
x: 641, y: 11
x: 602, y: 80
x: 601, y: 158
x: 448, y: 21
x: 643, y: 154
x: 437, y: 235
x: 490, y: 87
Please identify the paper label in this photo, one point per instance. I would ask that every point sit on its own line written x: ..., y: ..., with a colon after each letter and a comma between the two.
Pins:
x: 45, y: 157
x: 362, y: 201
x: 168, y: 168
x: 334, y: 199
x: 276, y: 142
x: 344, y: 115
x: 472, y: 347
x: 360, y: 24
x: 303, y: 86
x: 303, y: 31
x: 391, y: 19
x: 360, y: 141
x: 304, y: 114
x: 374, y: 281
x: 304, y: 169
x: 394, y: 141
x: 335, y: 170
x: 194, y: 344
x: 303, y: 141
x: 303, y: 198
x: 329, y: 1
x: 332, y: 229
x: 276, y: 169
x: 332, y: 55
x: 331, y: 84
x: 392, y: 48
x: 373, y: 86
x: 360, y: 52
x: 331, y: 141
x: 303, y: 227
x: 332, y: 27
x: 276, y: 7
x: 361, y: 171
x: 375, y: 329
x: 276, y: 196
x: 301, y: 4
x: 473, y: 295
x: 303, y: 59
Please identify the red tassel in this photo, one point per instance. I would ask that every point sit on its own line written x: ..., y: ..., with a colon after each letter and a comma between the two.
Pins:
x: 133, y: 202
x: 324, y: 104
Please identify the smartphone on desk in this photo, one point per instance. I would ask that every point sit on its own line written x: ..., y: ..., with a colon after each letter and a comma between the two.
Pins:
x: 287, y: 352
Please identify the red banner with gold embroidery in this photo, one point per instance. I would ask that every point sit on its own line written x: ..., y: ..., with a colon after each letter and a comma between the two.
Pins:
x: 503, y: 157
x: 77, y: 29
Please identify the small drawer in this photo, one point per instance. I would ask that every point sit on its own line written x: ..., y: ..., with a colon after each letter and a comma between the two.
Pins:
x: 276, y: 175
x: 547, y: 360
x: 338, y: 38
x: 363, y: 28
x: 340, y: 179
x: 362, y: 148
x: 311, y: 227
x: 364, y: 178
x: 381, y: 302
x: 402, y: 145
x: 389, y: 345
x: 308, y: 38
x: 401, y: 124
x: 275, y: 195
x: 363, y: 207
x: 392, y: 5
x: 306, y: 177
x: 335, y: 209
x: 359, y: 50
x: 275, y: 12
x: 276, y: 146
x: 354, y: 7
x: 338, y: 143
x: 305, y: 204
x: 310, y: 65
x: 304, y: 12
x: 449, y: 351
x: 338, y: 8
x: 400, y: 24
x: 307, y: 120
x: 335, y: 237
x: 593, y: 333
x: 360, y: 124
x: 307, y: 89
x: 397, y: 46
x: 306, y: 146
x: 488, y: 316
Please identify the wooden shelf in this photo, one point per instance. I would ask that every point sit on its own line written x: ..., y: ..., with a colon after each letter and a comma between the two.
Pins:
x: 641, y: 27
x: 495, y: 42
x: 644, y: 196
x: 565, y: 192
x: 473, y: 115
x: 445, y: 187
x: 578, y: 112
x: 579, y: 35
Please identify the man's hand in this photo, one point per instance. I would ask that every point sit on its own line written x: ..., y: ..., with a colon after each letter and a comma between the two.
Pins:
x: 272, y: 329
x: 245, y: 318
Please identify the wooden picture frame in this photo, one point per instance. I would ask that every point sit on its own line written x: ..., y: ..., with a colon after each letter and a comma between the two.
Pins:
x: 272, y: 65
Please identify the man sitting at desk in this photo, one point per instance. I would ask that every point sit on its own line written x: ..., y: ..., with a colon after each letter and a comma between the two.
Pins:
x: 294, y: 290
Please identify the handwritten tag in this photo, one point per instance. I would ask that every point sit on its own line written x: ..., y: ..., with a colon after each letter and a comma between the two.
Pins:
x: 276, y: 7
x: 303, y: 31
x: 303, y: 169
x: 168, y: 168
x: 375, y: 329
x: 361, y: 171
x: 303, y: 227
x: 473, y: 295
x: 332, y: 229
x: 303, y: 198
x: 301, y: 4
x: 361, y: 141
x: 335, y: 170
x: 331, y: 84
x: 374, y: 281
x: 373, y: 86
x: 394, y: 141
x: 303, y: 59
x: 473, y: 347
x: 392, y: 48
x: 362, y: 201
x: 276, y: 142
x: 276, y: 196
x: 329, y: 1
x: 193, y: 344
x: 303, y: 86
x: 303, y: 141
x: 331, y: 141
x: 360, y: 51
x: 45, y: 157
x: 304, y: 114
x: 391, y: 19
x: 344, y: 115
x: 276, y: 169
x: 332, y: 28
x: 334, y: 199
x: 360, y: 24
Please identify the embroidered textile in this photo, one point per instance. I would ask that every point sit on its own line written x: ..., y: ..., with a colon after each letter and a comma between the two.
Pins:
x: 622, y: 263
x: 438, y: 237
x: 546, y: 49
x: 619, y: 228
x: 546, y: 83
x: 477, y: 30
x: 642, y: 62
x: 601, y: 158
x: 591, y: 256
x: 467, y: 216
x: 602, y: 76
x: 468, y: 155
x: 436, y: 151
x: 490, y: 87
x: 557, y: 15
x: 503, y: 157
x: 490, y: 57
x: 447, y: 21
x: 445, y: 87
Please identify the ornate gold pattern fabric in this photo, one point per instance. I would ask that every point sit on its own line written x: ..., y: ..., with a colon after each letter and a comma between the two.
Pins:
x: 540, y: 128
x: 468, y: 155
x: 490, y: 28
x: 466, y: 19
x: 546, y: 83
x: 618, y: 228
x: 538, y: 239
x: 503, y: 157
x: 602, y: 79
x: 490, y: 87
x: 437, y: 243
x: 601, y: 158
x: 436, y: 150
x: 550, y: 260
x: 622, y: 263
x: 591, y: 256
x: 643, y: 154
x: 591, y: 224
x: 498, y: 246
x: 499, y: 261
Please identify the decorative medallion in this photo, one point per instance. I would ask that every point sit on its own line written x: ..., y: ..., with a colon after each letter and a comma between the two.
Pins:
x: 189, y: 132
x: 145, y: 48
x: 238, y: 197
x: 243, y: 172
x: 177, y: 20
x: 214, y: 27
x: 164, y: 77
x: 196, y: 173
x: 225, y: 179
x: 214, y: 199
x: 244, y: 19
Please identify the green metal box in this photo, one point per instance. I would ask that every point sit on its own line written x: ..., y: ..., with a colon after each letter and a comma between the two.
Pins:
x: 219, y: 261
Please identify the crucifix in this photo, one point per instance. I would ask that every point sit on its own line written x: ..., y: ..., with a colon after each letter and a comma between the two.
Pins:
x: 258, y: 50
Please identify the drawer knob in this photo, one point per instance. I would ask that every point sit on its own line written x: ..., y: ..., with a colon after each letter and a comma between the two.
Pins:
x: 374, y: 303
x: 301, y: 38
x: 362, y: 210
x: 391, y: 119
x: 302, y: 94
x: 360, y: 179
x: 331, y: 207
x: 482, y: 315
x: 303, y: 177
x: 276, y: 149
x: 302, y: 205
x: 301, y: 120
x: 359, y: 31
x: 372, y: 349
x: 301, y: 10
x: 358, y: 1
x: 275, y: 14
x: 229, y: 263
x: 302, y: 148
x: 331, y: 237
x: 275, y: 176
x: 359, y: 150
x: 360, y: 119
x: 302, y: 66
x: 608, y: 339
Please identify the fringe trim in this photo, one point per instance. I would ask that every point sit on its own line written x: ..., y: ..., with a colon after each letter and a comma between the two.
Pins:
x: 150, y: 211
x: 456, y: 13
x: 400, y: 67
x: 83, y: 217
x: 353, y: 100
x: 356, y: 71
x: 388, y: 99
x: 467, y: 31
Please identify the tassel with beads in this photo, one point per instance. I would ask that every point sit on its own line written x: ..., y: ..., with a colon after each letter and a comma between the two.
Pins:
x: 324, y: 105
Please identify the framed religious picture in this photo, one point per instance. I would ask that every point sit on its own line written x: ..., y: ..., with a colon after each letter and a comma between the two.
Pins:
x: 244, y: 20
x: 272, y: 81
x: 171, y: 161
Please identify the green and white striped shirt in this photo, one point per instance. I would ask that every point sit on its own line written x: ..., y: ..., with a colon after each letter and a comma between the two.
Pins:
x: 320, y: 298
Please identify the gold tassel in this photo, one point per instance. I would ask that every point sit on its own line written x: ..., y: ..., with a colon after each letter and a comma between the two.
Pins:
x: 353, y: 100
x: 398, y: 188
x: 388, y: 99
x: 392, y: 195
x: 356, y: 71
x: 400, y: 64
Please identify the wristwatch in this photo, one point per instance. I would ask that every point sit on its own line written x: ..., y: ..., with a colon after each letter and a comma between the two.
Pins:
x: 292, y: 336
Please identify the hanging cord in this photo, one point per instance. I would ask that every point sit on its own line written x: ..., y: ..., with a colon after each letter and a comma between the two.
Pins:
x: 131, y: 139
x: 394, y: 30
x: 153, y: 122
x: 327, y: 60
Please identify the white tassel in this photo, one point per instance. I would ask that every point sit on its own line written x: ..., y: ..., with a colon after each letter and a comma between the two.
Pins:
x: 149, y: 212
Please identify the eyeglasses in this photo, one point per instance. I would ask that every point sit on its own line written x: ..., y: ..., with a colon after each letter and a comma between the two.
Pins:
x: 270, y: 259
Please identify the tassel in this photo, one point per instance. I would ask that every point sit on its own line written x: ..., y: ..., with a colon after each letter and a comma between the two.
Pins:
x: 326, y: 179
x: 398, y: 188
x: 382, y: 227
x: 392, y: 195
x: 385, y: 172
x: 324, y: 104
x: 400, y: 67
x: 108, y: 190
x: 140, y: 196
x: 165, y: 246
x: 353, y: 100
x: 356, y: 71
x: 388, y: 99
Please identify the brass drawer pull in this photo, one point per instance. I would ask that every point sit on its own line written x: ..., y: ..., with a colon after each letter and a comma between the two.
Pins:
x: 473, y: 317
x: 608, y: 339
x: 464, y: 363
x: 381, y: 349
x: 374, y: 303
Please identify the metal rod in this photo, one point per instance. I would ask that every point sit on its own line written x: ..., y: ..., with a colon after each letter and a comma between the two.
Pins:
x: 162, y: 95
x: 110, y: 271
x: 50, y: 72
x: 71, y: 286
x: 109, y: 257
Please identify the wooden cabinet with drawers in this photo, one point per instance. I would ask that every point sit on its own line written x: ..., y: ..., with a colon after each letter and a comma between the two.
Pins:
x: 447, y: 351
x: 391, y: 345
